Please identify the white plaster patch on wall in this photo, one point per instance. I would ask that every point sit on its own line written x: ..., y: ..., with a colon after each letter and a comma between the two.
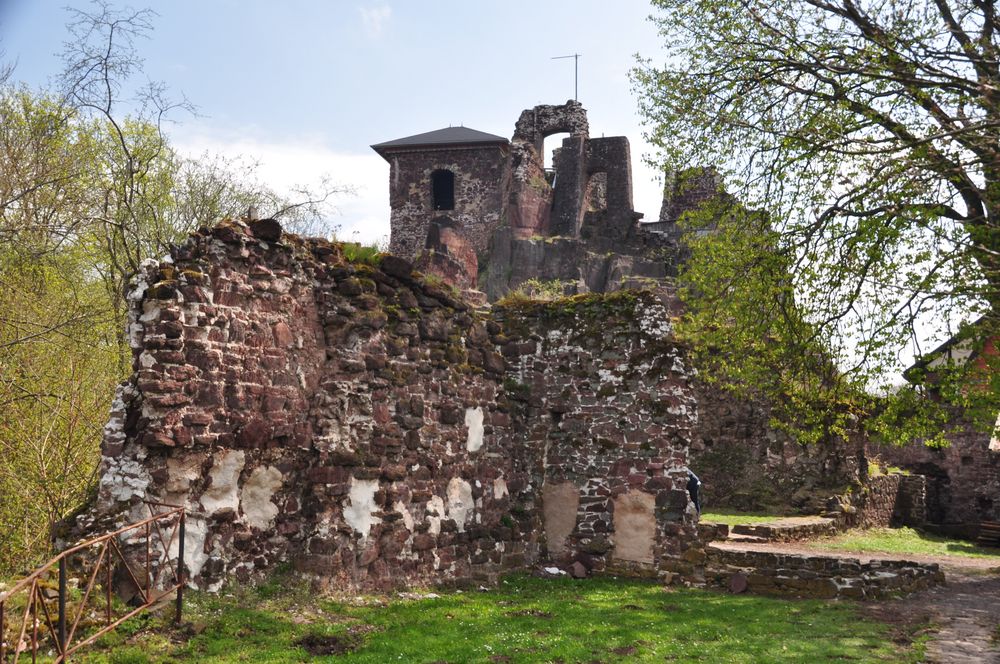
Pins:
x: 195, y: 532
x: 995, y: 437
x: 359, y: 515
x: 499, y: 488
x: 223, y: 492
x: 474, y: 420
x: 258, y: 508
x: 150, y: 312
x: 125, y: 478
x: 608, y: 376
x: 655, y: 321
x: 460, y: 503
x: 147, y: 268
x: 400, y: 507
x: 182, y: 471
x: 146, y: 360
x: 435, y: 512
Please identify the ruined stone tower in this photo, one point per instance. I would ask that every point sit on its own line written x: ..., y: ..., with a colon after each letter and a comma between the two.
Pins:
x: 446, y: 194
x: 484, y: 213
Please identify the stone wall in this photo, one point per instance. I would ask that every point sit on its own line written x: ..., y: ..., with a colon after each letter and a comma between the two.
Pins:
x: 744, y: 463
x: 606, y: 395
x: 481, y: 176
x: 375, y: 432
x: 309, y: 409
x: 770, y: 573
x: 962, y: 480
x: 876, y: 503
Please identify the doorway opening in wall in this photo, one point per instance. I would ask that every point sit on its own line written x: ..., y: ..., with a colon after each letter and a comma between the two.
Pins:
x: 550, y: 145
x: 442, y: 190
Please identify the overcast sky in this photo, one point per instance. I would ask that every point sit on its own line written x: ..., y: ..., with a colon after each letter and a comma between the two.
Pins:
x: 305, y: 86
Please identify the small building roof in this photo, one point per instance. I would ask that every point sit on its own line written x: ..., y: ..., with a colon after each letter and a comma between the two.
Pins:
x: 446, y: 136
x: 960, y: 348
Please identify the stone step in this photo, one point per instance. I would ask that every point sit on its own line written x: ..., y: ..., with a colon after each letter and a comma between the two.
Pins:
x: 789, y: 529
x: 989, y: 534
x: 745, y: 539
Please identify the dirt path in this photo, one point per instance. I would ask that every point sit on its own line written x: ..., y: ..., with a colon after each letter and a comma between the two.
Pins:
x: 965, y: 611
x: 968, y: 612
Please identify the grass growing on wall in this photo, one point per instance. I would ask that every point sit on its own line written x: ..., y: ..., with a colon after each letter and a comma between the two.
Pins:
x: 523, y: 620
x: 903, y: 541
x: 356, y: 252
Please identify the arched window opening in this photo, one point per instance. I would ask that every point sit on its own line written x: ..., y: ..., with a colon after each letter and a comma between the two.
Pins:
x: 551, y: 144
x: 443, y: 190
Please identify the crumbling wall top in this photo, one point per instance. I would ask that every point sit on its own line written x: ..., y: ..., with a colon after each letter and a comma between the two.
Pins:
x: 547, y: 119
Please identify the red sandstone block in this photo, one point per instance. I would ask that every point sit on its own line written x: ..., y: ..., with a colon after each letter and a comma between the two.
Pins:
x: 167, y: 400
x: 153, y: 386
x: 151, y: 439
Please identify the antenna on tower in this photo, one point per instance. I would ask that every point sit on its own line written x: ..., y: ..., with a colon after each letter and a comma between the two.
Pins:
x: 576, y: 63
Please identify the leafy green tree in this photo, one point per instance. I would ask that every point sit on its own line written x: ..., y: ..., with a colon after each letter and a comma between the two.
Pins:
x: 867, y: 133
x: 90, y: 187
x: 58, y: 368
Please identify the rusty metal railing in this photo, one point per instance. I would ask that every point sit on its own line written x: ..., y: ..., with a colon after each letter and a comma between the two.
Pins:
x: 47, y: 615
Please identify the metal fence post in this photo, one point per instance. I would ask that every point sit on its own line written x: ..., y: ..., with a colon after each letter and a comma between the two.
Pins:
x: 62, y: 606
x: 181, y: 573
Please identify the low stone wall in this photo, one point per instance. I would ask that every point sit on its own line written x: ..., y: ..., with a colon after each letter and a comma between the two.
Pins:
x: 792, y: 532
x: 770, y: 573
x: 876, y: 501
x: 889, y: 501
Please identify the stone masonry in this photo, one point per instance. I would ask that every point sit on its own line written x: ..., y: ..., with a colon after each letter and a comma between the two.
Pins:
x: 824, y: 577
x: 479, y: 171
x: 375, y: 432
x: 607, y: 397
x: 962, y: 480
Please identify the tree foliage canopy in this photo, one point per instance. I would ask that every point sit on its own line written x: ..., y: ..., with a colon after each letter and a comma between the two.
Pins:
x: 867, y: 134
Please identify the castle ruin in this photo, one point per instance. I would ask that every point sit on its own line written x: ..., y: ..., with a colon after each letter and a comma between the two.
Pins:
x: 376, y: 425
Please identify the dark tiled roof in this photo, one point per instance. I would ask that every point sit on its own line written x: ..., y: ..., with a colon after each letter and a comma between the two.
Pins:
x: 449, y: 135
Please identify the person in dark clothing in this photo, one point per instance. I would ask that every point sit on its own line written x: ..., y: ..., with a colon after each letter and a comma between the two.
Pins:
x: 692, y: 486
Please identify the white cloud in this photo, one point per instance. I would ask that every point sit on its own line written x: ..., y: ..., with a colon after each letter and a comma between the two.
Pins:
x: 362, y: 217
x: 375, y: 18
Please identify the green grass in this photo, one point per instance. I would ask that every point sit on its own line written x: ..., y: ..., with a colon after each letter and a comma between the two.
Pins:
x: 903, y: 541
x: 734, y: 518
x: 523, y: 620
x: 361, y: 253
